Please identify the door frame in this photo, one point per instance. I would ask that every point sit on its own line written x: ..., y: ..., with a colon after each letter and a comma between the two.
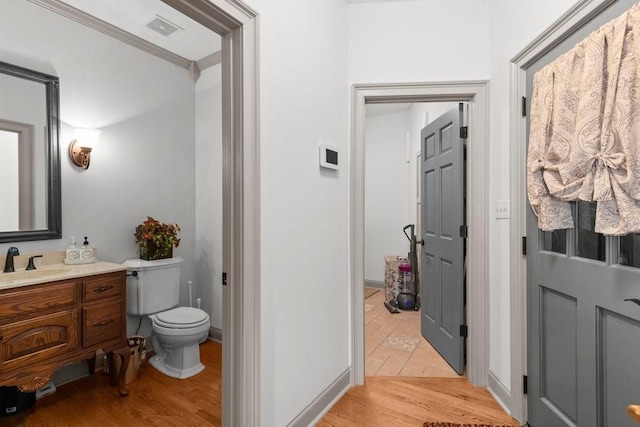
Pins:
x: 581, y: 13
x: 237, y: 24
x: 476, y: 93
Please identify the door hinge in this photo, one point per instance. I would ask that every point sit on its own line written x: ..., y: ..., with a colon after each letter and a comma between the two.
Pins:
x: 464, y: 231
x: 524, y: 245
x: 524, y: 106
x: 464, y: 132
x: 224, y: 279
x: 464, y: 331
x: 525, y: 385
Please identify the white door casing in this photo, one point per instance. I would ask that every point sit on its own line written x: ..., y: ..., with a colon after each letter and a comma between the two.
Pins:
x: 237, y: 24
x: 476, y: 93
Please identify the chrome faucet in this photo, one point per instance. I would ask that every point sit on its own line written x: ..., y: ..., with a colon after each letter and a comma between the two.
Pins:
x: 8, y: 265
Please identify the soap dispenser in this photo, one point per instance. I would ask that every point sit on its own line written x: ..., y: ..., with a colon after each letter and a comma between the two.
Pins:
x: 73, y: 253
x: 86, y: 252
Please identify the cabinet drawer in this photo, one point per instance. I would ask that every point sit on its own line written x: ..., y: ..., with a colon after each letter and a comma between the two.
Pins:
x: 101, y: 323
x: 34, y: 299
x: 105, y: 286
x: 27, y: 342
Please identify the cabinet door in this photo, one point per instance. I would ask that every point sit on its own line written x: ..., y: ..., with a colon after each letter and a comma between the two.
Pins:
x: 106, y: 286
x: 38, y: 339
x: 102, y: 323
x: 35, y: 299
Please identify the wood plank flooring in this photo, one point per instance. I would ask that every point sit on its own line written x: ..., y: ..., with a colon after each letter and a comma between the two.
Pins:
x: 158, y: 400
x: 407, y: 382
x: 154, y: 400
x: 398, y: 402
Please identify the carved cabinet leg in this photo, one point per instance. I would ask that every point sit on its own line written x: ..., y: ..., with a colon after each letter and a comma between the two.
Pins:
x: 123, y: 354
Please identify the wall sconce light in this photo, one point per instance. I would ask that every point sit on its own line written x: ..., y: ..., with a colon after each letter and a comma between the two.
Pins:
x: 80, y: 148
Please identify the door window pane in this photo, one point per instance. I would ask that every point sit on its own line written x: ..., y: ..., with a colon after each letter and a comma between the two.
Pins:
x: 589, y: 244
x: 630, y: 250
x: 555, y: 241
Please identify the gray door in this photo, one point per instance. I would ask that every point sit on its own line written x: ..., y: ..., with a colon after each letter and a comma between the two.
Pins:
x: 442, y: 257
x: 583, y: 338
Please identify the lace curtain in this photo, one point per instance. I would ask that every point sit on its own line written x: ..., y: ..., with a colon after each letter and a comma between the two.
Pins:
x: 584, y: 142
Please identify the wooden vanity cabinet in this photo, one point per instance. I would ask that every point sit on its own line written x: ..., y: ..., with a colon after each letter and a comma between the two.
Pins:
x: 45, y: 326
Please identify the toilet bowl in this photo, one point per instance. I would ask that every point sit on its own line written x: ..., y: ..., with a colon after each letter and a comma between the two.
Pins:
x: 177, y: 331
x: 176, y: 336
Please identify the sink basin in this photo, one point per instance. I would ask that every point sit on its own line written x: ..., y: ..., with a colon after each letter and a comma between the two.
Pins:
x: 7, y: 278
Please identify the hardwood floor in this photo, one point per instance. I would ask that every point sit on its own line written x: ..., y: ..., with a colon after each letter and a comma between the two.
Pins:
x: 158, y: 400
x: 407, y: 381
x: 154, y: 400
x: 395, y: 401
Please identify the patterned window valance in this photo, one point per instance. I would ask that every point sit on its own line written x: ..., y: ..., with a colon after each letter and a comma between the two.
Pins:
x: 584, y: 142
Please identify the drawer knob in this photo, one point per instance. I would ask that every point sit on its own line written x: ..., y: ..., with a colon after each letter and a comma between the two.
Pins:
x: 103, y: 323
x: 102, y: 289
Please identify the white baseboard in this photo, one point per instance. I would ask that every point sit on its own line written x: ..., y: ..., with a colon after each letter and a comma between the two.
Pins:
x: 499, y: 392
x: 314, y: 412
x: 374, y: 284
x: 215, y: 334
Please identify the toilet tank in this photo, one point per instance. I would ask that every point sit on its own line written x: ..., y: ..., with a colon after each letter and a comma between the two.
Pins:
x: 155, y: 286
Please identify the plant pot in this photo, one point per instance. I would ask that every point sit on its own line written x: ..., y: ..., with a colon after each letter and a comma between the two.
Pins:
x: 151, y: 252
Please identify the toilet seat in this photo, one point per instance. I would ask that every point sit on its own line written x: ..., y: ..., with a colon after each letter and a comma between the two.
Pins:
x: 181, y: 318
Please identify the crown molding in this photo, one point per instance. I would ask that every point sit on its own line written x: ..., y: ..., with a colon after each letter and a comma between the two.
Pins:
x: 92, y: 22
x: 210, y: 60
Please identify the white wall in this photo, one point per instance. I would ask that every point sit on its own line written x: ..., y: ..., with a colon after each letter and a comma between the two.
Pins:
x: 144, y: 163
x: 208, y: 168
x: 304, y: 258
x: 508, y: 36
x: 418, y: 41
x: 386, y: 191
x: 391, y: 180
x: 430, y: 40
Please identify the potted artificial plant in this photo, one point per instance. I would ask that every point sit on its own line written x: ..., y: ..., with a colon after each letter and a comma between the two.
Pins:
x: 156, y: 239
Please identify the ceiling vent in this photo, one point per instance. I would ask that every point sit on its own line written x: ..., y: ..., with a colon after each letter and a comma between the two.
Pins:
x: 162, y: 26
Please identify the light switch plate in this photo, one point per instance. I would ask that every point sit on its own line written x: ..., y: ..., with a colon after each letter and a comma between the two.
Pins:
x: 502, y: 209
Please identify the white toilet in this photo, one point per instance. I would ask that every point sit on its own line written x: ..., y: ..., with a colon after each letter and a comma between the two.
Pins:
x: 177, y: 331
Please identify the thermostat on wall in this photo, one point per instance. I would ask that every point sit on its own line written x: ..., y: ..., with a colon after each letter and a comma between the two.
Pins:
x: 329, y: 157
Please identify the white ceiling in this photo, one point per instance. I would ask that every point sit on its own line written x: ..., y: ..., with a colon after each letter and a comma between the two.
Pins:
x: 192, y: 42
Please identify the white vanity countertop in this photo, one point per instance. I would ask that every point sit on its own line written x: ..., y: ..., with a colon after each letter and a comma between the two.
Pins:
x: 54, y: 272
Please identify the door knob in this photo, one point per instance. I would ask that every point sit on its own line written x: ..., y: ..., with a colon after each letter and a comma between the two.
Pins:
x: 633, y: 300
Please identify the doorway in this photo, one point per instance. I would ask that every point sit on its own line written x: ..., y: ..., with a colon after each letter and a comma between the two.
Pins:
x: 476, y: 93
x: 236, y: 23
x: 562, y: 29
x: 579, y: 287
x: 395, y: 344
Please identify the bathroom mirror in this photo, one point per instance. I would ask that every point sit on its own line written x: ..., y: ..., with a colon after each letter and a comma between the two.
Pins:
x: 30, y: 194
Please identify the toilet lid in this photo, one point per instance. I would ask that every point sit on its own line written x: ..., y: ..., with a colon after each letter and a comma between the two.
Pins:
x: 181, y: 317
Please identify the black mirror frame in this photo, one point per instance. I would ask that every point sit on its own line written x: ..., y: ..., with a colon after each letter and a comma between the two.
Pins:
x: 54, y: 181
